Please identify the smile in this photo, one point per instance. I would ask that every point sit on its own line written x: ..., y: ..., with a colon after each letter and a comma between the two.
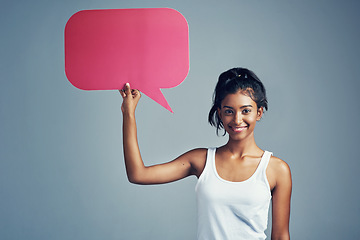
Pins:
x: 238, y: 129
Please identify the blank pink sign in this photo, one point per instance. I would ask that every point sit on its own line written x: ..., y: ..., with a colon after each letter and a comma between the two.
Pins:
x: 149, y: 48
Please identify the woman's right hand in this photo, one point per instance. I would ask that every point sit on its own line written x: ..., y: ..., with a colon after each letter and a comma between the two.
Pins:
x: 131, y: 98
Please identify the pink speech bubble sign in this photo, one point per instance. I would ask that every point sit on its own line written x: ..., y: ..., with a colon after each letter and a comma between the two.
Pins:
x: 148, y: 48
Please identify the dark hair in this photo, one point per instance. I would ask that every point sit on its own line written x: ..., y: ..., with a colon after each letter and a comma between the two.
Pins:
x: 232, y: 81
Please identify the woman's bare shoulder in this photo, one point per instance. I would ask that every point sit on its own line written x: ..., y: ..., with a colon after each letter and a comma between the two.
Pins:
x: 196, y: 155
x: 279, y: 171
x: 278, y: 165
x: 197, y: 158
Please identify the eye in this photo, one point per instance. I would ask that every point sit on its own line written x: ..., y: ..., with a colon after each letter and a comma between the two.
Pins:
x: 246, y: 111
x: 228, y: 111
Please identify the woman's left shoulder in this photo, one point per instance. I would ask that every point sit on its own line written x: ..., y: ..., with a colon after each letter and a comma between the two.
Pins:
x: 278, y: 171
x: 278, y: 164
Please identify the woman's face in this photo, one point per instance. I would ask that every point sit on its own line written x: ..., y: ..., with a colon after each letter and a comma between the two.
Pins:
x: 239, y: 114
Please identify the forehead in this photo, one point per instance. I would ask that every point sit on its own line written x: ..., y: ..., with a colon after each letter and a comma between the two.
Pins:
x: 238, y: 99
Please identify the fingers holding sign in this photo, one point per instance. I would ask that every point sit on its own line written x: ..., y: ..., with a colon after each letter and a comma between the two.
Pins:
x: 130, y: 97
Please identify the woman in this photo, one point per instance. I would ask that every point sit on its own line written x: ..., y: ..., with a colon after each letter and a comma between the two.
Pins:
x: 236, y: 181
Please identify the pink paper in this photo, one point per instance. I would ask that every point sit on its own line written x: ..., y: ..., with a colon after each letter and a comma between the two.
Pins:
x: 149, y: 48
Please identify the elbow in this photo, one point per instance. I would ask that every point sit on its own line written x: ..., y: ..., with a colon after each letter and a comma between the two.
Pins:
x: 135, y: 179
x: 132, y: 179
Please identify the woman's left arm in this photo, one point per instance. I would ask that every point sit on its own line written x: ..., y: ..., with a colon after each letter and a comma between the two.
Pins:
x: 281, y: 195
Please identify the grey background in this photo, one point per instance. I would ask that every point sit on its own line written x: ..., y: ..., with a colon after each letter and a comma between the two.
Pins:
x: 61, y: 168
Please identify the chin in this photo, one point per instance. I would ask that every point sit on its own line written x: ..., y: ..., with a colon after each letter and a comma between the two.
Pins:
x: 239, y: 136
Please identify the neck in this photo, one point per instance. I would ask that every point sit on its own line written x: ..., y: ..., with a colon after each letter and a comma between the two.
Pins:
x: 242, y: 147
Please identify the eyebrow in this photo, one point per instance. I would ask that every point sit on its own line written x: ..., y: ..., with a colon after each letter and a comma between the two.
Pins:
x: 240, y: 107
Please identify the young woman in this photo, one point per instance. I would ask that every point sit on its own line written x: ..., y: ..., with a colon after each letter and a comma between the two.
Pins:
x: 236, y: 181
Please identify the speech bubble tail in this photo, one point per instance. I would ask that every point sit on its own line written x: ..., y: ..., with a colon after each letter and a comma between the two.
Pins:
x: 157, y: 96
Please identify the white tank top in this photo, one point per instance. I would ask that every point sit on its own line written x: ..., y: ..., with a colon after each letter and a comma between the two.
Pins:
x: 232, y: 210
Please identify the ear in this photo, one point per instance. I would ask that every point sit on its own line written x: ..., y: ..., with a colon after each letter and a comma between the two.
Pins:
x: 260, y: 113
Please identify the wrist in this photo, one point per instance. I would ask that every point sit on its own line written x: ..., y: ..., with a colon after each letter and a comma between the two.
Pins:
x: 128, y: 114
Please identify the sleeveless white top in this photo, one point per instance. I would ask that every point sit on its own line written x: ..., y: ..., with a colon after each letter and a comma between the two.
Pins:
x: 232, y: 210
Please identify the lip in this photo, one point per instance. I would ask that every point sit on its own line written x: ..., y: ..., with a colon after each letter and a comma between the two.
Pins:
x: 238, y: 129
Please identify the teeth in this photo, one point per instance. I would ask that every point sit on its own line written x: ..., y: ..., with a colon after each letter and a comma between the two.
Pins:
x: 238, y: 129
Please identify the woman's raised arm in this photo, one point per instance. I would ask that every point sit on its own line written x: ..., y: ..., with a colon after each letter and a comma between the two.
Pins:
x: 183, y: 166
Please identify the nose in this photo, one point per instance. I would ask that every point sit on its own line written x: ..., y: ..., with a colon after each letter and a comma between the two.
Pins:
x: 238, y: 118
